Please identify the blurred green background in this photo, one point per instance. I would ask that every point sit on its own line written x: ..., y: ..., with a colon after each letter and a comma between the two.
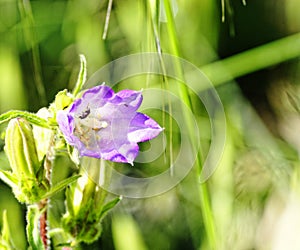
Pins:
x: 252, y: 201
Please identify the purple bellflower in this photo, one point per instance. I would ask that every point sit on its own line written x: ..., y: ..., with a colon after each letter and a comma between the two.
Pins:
x: 104, y: 124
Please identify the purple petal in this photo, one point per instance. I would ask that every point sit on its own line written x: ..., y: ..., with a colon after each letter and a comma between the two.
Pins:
x: 98, y: 95
x: 125, y: 154
x: 101, y: 92
x: 143, y: 128
x: 103, y: 124
x: 66, y: 124
x: 131, y: 98
x: 75, y: 105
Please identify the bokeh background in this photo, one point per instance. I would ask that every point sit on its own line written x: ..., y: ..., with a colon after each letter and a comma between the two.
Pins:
x: 252, y: 201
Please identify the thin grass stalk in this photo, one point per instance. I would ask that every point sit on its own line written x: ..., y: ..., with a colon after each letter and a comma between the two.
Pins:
x: 32, y: 44
x: 253, y: 60
x: 154, y: 20
x: 208, y: 220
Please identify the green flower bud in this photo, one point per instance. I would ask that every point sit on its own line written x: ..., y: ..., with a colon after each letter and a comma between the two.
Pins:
x: 41, y: 135
x: 82, y: 220
x: 27, y: 177
x: 86, y: 205
x: 20, y: 148
x: 62, y: 100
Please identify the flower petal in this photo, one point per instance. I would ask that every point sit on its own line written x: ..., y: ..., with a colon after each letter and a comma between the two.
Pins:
x: 132, y: 98
x: 66, y: 124
x: 143, y: 128
x: 127, y: 153
x: 104, y: 124
x: 97, y: 96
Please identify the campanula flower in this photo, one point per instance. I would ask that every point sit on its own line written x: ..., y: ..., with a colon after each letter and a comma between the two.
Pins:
x: 104, y: 124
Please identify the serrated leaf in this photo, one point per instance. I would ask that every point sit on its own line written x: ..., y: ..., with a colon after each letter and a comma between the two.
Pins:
x: 60, y: 186
x: 81, y: 76
x: 32, y: 230
x: 30, y: 117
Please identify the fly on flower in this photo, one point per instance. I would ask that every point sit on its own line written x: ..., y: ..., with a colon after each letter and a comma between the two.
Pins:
x: 104, y: 124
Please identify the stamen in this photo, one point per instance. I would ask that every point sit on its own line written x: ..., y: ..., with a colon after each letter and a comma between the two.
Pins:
x: 85, y: 113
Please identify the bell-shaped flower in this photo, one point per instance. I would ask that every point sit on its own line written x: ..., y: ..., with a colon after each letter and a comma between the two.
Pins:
x: 104, y: 124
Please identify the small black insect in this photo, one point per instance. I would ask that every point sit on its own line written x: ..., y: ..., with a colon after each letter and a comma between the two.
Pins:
x: 85, y: 113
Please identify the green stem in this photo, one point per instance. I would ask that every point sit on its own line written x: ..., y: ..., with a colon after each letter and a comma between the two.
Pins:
x: 48, y: 165
x: 252, y: 60
x: 31, y: 43
x: 184, y: 95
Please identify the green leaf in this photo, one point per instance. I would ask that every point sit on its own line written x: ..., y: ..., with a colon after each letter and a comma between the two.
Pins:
x: 108, y: 206
x: 81, y: 76
x: 60, y: 186
x: 9, y: 178
x: 69, y: 200
x: 32, y: 230
x: 30, y: 117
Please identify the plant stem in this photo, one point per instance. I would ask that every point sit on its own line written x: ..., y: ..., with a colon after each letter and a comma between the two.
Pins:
x: 206, y: 210
x: 48, y: 163
x: 30, y: 40
x: 43, y: 223
x: 253, y: 60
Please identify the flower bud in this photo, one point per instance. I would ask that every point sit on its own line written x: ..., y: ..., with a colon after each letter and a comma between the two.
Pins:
x: 20, y: 148
x: 82, y: 220
x: 26, y: 178
x: 41, y: 135
x: 86, y: 206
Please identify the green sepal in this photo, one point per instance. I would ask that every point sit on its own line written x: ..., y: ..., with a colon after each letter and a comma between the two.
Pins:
x: 32, y: 190
x: 26, y: 190
x: 81, y: 76
x: 30, y: 117
x: 85, y: 226
x: 32, y: 229
x: 109, y: 205
x: 62, y: 100
x: 9, y: 178
x: 41, y: 172
x: 69, y: 200
x: 60, y: 186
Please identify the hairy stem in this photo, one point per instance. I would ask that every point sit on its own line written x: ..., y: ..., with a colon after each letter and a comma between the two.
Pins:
x: 43, y: 223
x: 48, y: 164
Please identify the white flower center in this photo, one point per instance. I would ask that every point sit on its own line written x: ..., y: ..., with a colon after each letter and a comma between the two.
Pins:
x: 86, y: 124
